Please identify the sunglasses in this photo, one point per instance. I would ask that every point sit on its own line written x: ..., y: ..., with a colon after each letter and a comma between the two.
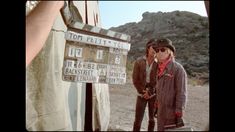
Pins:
x: 160, y: 49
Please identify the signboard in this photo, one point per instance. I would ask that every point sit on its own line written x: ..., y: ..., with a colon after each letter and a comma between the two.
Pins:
x: 94, y: 59
x: 93, y: 54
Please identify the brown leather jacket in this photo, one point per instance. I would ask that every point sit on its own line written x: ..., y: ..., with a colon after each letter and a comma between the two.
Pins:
x: 139, y: 75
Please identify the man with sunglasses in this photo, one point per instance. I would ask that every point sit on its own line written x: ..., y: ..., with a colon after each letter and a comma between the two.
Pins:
x: 171, y: 87
x: 144, y: 80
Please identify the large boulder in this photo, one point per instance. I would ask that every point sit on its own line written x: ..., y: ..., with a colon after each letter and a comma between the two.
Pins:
x: 188, y: 31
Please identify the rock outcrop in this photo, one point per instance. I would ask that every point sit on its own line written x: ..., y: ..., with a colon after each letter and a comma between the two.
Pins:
x: 188, y: 31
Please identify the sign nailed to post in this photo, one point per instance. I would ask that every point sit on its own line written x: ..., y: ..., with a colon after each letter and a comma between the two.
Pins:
x: 95, y: 40
x: 93, y: 54
x: 91, y: 58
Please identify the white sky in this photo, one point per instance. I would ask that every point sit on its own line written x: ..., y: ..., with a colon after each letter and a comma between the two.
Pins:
x: 116, y: 13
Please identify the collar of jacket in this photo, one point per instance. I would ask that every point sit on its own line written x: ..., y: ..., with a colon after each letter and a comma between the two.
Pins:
x: 162, y: 66
x: 168, y: 71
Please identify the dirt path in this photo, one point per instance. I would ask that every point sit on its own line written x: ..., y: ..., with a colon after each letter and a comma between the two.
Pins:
x: 123, y: 99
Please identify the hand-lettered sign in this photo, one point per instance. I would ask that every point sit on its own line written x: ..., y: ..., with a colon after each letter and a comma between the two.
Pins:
x: 93, y: 54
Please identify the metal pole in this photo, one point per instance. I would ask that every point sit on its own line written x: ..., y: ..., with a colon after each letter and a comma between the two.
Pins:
x: 86, y: 12
x: 88, y: 110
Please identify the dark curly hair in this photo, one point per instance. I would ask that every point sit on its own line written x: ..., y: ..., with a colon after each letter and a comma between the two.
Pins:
x: 150, y: 43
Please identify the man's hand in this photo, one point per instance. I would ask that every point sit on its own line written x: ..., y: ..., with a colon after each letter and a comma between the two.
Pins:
x: 156, y: 104
x: 156, y: 108
x: 146, y: 94
x: 178, y: 114
x: 179, y: 120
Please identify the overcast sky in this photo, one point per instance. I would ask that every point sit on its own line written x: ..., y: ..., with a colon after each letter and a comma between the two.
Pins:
x: 116, y: 13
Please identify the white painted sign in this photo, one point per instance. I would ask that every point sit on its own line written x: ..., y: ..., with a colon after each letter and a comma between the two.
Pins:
x: 90, y: 79
x: 69, y: 63
x: 93, y: 54
x: 102, y: 69
x: 116, y: 74
x: 74, y: 52
x: 99, y: 54
x: 95, y: 40
x: 118, y: 51
x: 116, y: 80
x: 94, y: 59
x: 86, y: 65
x: 117, y: 59
x: 78, y: 72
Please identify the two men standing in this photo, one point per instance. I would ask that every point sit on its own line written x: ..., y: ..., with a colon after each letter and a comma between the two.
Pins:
x: 157, y: 73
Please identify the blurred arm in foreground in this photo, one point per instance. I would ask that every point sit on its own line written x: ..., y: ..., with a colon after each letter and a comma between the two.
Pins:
x: 38, y: 26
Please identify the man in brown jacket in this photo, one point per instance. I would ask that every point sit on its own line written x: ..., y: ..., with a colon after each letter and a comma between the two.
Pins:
x: 144, y: 80
x: 171, y: 87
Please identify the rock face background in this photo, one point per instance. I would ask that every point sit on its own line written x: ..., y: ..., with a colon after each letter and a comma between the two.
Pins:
x: 188, y: 31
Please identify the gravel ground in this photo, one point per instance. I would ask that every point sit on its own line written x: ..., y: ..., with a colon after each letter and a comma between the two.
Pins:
x: 123, y: 100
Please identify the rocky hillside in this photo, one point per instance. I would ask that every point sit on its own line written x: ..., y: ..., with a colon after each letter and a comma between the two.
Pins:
x: 188, y: 31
